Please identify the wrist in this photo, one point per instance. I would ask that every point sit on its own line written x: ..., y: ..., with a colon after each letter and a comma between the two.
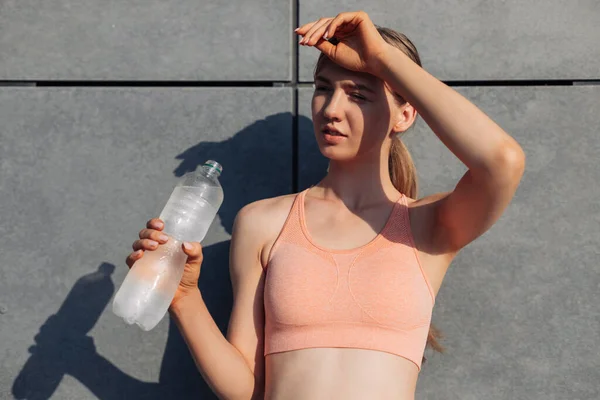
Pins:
x: 384, y: 61
x: 183, y: 302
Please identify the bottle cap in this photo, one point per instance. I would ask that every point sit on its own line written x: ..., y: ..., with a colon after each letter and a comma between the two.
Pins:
x: 213, y: 165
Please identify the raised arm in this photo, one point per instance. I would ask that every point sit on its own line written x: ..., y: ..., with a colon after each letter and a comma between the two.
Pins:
x: 495, y: 161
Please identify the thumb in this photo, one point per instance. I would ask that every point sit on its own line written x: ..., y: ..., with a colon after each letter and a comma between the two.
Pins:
x: 326, y: 47
x: 194, y: 252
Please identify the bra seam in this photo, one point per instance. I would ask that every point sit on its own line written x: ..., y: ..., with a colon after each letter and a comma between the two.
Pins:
x: 352, y: 293
x: 416, y: 252
x: 279, y: 236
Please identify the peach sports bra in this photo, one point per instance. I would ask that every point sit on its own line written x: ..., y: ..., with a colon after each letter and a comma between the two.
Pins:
x: 373, y: 297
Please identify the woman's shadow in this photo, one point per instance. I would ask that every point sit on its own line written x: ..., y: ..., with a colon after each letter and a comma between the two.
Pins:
x: 257, y: 164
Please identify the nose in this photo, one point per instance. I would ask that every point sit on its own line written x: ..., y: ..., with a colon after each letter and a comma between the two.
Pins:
x: 333, y: 107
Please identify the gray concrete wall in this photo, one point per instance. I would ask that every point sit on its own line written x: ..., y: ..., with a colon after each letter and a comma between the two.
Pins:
x: 83, y: 167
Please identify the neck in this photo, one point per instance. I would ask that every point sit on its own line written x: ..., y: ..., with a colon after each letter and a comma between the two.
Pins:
x: 358, y: 184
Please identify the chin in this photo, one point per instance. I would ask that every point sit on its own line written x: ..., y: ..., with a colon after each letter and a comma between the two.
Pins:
x: 335, y: 153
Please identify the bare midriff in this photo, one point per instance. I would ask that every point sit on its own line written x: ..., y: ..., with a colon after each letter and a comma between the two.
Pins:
x: 339, y: 373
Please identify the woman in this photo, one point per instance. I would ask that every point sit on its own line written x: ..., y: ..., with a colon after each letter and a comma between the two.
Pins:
x: 334, y: 286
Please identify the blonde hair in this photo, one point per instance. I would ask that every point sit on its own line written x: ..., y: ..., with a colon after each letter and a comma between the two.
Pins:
x: 401, y: 167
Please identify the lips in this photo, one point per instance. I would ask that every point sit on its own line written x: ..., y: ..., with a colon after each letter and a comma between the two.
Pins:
x: 332, y: 136
x: 332, y: 131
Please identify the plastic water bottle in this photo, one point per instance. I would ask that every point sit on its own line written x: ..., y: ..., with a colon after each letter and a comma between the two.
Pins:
x: 151, y: 283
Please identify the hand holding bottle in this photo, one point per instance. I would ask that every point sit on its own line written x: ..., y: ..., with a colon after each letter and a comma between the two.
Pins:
x: 150, y: 238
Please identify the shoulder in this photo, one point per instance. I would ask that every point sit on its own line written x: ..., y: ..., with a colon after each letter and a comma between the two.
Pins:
x: 266, y: 210
x: 262, y: 220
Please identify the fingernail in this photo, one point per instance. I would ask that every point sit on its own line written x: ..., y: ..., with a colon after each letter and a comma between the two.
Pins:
x: 163, y: 238
x: 137, y: 252
x: 187, y: 246
x: 296, y: 30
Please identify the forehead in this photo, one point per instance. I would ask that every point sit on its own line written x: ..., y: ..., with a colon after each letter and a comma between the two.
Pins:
x: 333, y: 72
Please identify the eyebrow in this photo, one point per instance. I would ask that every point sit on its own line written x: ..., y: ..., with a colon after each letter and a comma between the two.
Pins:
x: 351, y: 85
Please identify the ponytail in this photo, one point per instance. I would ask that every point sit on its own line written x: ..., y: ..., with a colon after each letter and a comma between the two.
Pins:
x: 402, y: 169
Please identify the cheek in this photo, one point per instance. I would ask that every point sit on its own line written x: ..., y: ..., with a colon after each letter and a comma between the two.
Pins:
x: 316, y: 105
x: 376, y: 120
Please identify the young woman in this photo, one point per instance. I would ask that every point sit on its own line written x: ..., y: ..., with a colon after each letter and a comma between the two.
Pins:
x: 334, y: 286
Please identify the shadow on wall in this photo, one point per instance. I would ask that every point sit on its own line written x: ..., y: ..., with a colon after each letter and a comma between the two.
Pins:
x: 256, y: 162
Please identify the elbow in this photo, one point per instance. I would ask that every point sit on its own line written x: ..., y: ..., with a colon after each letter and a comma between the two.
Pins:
x: 513, y: 161
x: 248, y: 391
x: 507, y: 164
x: 242, y: 396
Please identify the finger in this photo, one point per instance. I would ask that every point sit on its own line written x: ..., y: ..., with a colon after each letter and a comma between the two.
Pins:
x: 155, y: 235
x: 193, y: 251
x: 334, y: 25
x: 144, y: 244
x: 301, y: 30
x: 133, y: 257
x: 155, y: 223
x: 316, y: 32
x: 342, y: 18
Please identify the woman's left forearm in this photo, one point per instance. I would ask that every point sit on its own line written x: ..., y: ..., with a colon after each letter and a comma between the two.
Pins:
x: 482, y: 145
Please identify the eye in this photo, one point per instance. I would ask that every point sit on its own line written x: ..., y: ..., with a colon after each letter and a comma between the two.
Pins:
x: 321, y: 88
x: 358, y: 96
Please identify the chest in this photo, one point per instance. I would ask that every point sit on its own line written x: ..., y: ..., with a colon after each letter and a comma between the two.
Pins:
x: 343, y: 230
x: 383, y: 286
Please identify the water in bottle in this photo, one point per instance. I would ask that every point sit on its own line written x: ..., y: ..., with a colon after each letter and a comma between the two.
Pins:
x: 150, y: 285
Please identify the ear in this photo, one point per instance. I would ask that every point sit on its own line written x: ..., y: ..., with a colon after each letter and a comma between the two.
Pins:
x: 405, y: 117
